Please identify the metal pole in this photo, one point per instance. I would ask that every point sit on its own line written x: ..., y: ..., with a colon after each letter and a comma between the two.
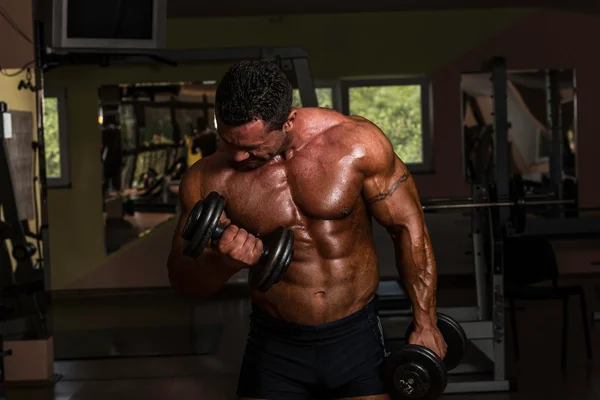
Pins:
x: 553, y: 111
x: 45, y: 322
x: 501, y: 171
x: 495, y: 204
x: 501, y: 127
x: 306, y: 86
x: 479, y: 261
x: 428, y: 200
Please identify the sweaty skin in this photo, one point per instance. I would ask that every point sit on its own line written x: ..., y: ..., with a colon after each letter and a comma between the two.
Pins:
x: 335, y: 173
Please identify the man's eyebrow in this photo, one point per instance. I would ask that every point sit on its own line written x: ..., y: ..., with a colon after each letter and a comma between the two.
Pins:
x: 252, y: 147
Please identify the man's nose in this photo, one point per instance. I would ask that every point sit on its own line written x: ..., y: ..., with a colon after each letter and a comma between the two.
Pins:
x: 240, y: 156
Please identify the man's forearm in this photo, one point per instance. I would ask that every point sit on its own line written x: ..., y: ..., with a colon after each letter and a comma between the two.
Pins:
x: 416, y: 266
x: 202, y: 277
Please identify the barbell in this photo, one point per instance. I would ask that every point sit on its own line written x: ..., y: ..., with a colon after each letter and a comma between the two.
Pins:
x: 496, y: 204
x: 517, y: 202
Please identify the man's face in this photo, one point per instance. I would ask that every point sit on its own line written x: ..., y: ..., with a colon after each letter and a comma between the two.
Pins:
x: 252, y: 145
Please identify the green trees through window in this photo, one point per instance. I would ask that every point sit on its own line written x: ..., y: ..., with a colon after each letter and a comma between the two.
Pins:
x: 396, y: 110
x: 52, y: 138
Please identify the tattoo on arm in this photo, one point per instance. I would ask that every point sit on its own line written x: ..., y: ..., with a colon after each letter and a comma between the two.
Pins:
x: 390, y: 191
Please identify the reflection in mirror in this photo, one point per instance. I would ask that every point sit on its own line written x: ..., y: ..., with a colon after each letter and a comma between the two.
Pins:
x: 151, y: 134
x: 539, y: 103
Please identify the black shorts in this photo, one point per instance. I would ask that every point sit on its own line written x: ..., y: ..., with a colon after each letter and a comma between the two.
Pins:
x: 336, y: 360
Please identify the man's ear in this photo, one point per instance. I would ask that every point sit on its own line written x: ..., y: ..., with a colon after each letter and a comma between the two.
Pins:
x: 289, y: 124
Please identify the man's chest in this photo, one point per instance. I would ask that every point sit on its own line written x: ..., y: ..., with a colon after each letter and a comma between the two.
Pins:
x: 292, y: 193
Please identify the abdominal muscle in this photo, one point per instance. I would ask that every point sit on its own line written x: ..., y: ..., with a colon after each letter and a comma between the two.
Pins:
x: 316, y: 289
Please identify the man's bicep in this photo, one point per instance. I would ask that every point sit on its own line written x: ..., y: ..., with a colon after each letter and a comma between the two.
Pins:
x: 389, y: 190
x: 393, y: 201
x: 189, y: 194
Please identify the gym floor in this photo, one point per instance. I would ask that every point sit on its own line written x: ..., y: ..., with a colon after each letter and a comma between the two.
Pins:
x: 220, y: 328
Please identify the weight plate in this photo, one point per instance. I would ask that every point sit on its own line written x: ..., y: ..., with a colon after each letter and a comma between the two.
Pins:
x: 518, y: 210
x: 212, y: 208
x: 279, y: 247
x: 281, y: 254
x: 192, y: 222
x: 287, y: 261
x: 414, y: 372
x: 454, y: 336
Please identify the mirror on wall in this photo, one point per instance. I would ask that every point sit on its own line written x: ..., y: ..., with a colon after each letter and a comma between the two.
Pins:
x: 151, y: 133
x: 539, y: 102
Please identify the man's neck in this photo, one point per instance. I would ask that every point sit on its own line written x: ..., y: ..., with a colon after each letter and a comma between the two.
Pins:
x: 299, y: 136
x: 296, y: 140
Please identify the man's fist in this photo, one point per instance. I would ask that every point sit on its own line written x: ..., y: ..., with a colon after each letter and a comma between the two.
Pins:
x: 239, y: 245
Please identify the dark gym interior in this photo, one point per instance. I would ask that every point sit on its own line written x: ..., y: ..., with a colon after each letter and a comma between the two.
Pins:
x: 107, y: 105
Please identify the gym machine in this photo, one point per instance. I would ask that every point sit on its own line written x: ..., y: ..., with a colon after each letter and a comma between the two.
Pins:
x: 12, y: 228
x: 23, y: 311
x: 156, y: 195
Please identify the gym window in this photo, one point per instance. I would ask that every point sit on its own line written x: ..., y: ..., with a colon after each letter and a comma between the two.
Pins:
x: 55, y: 139
x: 400, y: 107
x: 326, y: 95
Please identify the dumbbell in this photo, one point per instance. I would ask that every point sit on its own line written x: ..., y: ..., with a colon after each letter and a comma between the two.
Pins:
x: 416, y: 372
x: 203, y: 226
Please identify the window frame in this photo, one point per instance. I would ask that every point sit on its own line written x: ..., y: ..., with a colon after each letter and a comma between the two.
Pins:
x: 65, y: 168
x: 426, y: 166
x: 336, y: 92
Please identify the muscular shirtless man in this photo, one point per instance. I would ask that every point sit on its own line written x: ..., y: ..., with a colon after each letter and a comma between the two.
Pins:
x: 315, y: 334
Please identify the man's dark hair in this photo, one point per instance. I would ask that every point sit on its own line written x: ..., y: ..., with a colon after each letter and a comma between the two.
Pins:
x: 254, y: 90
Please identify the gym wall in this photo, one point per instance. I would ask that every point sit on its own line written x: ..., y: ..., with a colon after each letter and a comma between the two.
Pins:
x: 354, y: 45
x: 15, y: 52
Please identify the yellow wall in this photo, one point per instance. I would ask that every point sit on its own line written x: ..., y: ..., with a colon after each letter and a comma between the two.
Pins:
x: 367, y: 44
x: 19, y: 100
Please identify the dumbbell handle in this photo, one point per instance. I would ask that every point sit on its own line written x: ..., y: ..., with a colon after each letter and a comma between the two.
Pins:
x: 218, y: 232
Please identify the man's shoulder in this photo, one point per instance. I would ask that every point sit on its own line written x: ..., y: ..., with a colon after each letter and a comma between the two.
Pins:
x: 217, y: 161
x: 362, y: 140
x: 343, y: 135
x: 207, y: 167
x: 354, y: 131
